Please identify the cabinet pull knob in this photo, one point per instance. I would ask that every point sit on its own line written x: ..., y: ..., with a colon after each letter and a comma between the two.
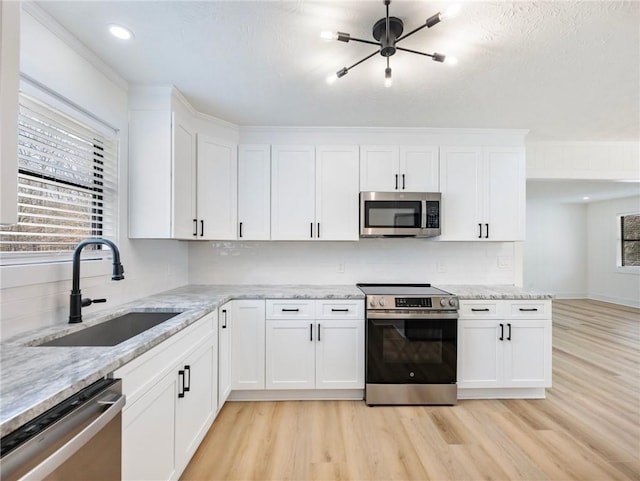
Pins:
x: 195, y: 227
x: 187, y: 371
x: 202, y: 228
x: 240, y: 230
x: 479, y: 231
x: 487, y: 236
x: 290, y: 310
x: 509, y: 335
x: 318, y: 332
x: 181, y: 383
x: 339, y: 310
x: 473, y: 309
x: 402, y: 181
x: 224, y: 311
x: 535, y: 309
x: 396, y: 181
x: 501, y: 332
x: 311, y: 331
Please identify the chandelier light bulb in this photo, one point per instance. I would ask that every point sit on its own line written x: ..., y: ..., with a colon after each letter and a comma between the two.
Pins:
x: 328, y: 36
x: 451, y: 60
x: 331, y: 79
x: 388, y: 81
x: 450, y: 12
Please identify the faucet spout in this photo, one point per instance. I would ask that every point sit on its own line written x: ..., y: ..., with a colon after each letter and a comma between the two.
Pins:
x: 75, y: 303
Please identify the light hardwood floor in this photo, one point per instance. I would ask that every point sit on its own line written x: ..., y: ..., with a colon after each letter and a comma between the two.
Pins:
x: 588, y: 428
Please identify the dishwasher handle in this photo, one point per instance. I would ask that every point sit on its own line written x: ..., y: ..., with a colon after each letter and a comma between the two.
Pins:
x: 55, y: 460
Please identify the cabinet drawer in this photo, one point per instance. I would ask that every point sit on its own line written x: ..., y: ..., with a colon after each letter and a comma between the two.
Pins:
x: 290, y: 309
x: 530, y: 309
x: 480, y: 310
x: 340, y: 309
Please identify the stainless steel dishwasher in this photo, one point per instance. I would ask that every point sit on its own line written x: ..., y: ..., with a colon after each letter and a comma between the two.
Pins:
x: 78, y: 439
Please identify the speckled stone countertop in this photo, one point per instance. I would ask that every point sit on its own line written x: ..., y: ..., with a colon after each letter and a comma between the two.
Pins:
x: 34, y: 379
x: 475, y: 292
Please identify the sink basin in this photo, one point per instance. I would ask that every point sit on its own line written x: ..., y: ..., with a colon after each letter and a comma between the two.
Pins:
x: 114, y: 331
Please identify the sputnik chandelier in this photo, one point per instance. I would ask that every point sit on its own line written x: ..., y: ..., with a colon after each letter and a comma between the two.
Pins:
x: 388, y: 33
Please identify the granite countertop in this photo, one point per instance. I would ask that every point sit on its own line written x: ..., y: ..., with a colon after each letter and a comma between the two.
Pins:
x: 34, y: 379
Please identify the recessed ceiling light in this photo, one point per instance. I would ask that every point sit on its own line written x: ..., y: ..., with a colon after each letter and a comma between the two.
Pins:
x: 586, y: 197
x: 120, y: 32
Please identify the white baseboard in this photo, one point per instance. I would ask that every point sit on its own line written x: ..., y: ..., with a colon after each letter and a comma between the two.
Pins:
x: 502, y: 393
x: 298, y: 395
x: 616, y: 300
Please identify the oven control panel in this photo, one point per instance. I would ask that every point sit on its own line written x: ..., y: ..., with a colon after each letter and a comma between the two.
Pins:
x: 413, y: 303
x: 420, y: 302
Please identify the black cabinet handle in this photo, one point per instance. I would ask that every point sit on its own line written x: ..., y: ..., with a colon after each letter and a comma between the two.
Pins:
x: 187, y: 371
x: 181, y: 383
x: 502, y: 332
x: 339, y: 310
x: 509, y: 335
x: 487, y: 236
x: 311, y: 230
x: 311, y: 332
x: 240, y: 230
x: 195, y: 227
x: 480, y: 231
x: 201, y: 228
x: 318, y: 230
x: 290, y: 310
x: 535, y: 309
x: 318, y: 332
x: 224, y: 311
x: 402, y: 181
x: 396, y: 181
x: 473, y: 309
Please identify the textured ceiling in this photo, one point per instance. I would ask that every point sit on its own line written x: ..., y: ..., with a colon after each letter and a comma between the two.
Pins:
x: 564, y: 70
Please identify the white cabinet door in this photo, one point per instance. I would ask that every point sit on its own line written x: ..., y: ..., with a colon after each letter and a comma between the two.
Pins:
x: 379, y: 168
x: 337, y: 202
x: 292, y: 192
x: 254, y: 192
x: 290, y: 360
x: 184, y: 177
x: 480, y: 363
x: 148, y: 433
x: 248, y: 345
x: 419, y: 169
x: 527, y: 353
x: 504, y: 193
x: 217, y: 189
x: 224, y: 353
x: 340, y: 354
x: 194, y: 412
x: 9, y: 82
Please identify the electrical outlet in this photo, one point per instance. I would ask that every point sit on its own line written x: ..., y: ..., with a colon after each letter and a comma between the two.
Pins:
x: 441, y: 267
x: 340, y: 268
x: 505, y: 262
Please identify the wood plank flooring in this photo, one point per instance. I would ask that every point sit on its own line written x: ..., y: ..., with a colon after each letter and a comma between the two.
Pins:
x: 588, y: 428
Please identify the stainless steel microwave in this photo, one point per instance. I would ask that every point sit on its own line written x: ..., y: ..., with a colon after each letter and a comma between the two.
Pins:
x: 399, y: 214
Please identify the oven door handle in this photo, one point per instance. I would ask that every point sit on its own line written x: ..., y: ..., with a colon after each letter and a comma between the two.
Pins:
x: 413, y: 315
x: 55, y: 460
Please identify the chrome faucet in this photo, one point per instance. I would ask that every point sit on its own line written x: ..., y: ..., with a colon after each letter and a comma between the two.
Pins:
x: 76, y: 301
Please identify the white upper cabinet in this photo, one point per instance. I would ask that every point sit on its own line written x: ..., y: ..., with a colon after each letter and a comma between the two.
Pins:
x: 314, y: 193
x: 337, y: 203
x: 391, y: 168
x: 293, y: 176
x: 162, y: 167
x: 9, y: 81
x: 483, y: 193
x: 217, y: 191
x: 254, y: 192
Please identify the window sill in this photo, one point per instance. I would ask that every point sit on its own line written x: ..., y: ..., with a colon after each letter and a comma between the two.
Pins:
x: 634, y: 270
x: 32, y: 274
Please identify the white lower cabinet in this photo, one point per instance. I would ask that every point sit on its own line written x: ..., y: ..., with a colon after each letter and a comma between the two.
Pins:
x: 224, y: 353
x: 171, y: 402
x: 326, y: 352
x: 500, y: 349
x: 247, y: 345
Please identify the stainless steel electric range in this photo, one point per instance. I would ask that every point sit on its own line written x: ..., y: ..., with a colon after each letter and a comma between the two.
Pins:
x: 411, y: 344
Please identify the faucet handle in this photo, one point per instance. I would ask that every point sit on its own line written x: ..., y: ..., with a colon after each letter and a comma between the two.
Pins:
x: 87, y: 302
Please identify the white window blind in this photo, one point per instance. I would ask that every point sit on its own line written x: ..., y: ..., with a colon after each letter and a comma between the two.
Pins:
x: 67, y: 184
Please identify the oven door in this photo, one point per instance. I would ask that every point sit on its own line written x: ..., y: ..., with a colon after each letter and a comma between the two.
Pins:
x: 411, y: 348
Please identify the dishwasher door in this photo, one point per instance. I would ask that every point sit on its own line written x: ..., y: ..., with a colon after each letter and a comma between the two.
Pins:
x: 78, y: 439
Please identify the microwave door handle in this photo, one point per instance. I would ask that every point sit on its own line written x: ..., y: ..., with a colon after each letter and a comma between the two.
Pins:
x: 423, y: 224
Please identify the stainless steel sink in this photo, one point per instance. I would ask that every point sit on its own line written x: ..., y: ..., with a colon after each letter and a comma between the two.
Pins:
x: 114, y: 331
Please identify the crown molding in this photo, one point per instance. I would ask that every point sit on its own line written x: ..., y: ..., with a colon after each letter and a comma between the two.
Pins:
x: 382, y: 130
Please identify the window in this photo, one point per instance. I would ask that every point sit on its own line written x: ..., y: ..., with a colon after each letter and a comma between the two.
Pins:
x: 67, y: 177
x: 630, y: 238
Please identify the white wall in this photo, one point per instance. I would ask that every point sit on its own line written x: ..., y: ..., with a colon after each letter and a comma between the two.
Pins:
x: 555, y: 252
x: 607, y: 282
x: 34, y: 297
x: 368, y: 260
